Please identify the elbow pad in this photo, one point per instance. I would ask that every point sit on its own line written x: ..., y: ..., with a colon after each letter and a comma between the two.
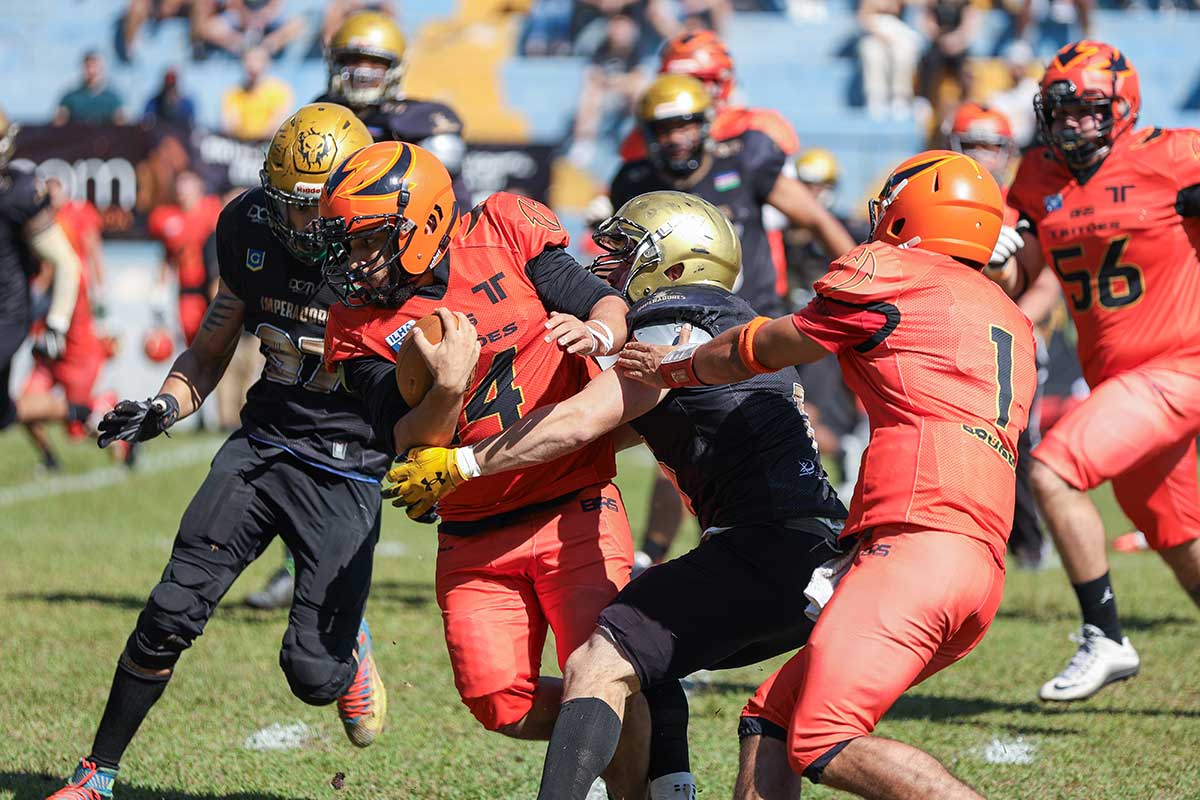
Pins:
x: 1187, y: 202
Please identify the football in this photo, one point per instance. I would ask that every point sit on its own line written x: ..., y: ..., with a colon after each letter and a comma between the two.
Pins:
x: 412, y: 373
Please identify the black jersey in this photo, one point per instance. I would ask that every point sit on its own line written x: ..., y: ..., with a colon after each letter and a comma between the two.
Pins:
x: 434, y: 126
x: 296, y: 404
x: 741, y: 454
x: 21, y: 198
x: 737, y: 177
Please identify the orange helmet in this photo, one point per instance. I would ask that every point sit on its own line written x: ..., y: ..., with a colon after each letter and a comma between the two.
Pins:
x: 705, y: 57
x: 976, y: 124
x: 1098, y: 77
x: 398, y: 196
x: 941, y: 201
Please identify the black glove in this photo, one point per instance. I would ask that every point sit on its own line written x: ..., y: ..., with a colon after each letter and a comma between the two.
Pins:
x: 50, y: 344
x: 137, y: 421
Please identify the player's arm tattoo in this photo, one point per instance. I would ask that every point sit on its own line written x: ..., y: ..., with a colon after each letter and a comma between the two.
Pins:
x: 197, y: 370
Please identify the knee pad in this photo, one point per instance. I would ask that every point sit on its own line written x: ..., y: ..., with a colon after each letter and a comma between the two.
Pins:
x: 498, y: 709
x: 314, y: 673
x: 174, y: 616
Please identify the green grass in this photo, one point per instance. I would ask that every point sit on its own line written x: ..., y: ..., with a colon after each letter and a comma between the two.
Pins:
x: 79, y: 559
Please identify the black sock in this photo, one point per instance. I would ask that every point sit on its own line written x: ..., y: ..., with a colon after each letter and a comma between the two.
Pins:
x: 129, y: 701
x: 1099, y: 606
x: 78, y: 413
x: 668, y: 729
x: 584, y: 740
x: 655, y: 549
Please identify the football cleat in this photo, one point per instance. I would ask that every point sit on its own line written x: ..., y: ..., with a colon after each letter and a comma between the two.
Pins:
x: 276, y: 594
x: 88, y: 783
x: 363, y: 707
x: 1132, y: 542
x: 1098, y: 661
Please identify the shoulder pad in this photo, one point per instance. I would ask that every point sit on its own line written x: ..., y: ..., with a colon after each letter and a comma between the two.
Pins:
x: 710, y: 308
x: 525, y: 224
x: 873, y: 272
x: 768, y: 122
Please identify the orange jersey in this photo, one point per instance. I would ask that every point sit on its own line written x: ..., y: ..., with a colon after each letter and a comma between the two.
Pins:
x: 518, y: 371
x: 730, y: 121
x: 1011, y: 215
x: 183, y: 234
x: 1126, y: 260
x: 943, y: 362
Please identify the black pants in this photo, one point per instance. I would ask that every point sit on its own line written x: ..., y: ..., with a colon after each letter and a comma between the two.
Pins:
x: 12, y: 335
x: 736, y: 599
x: 331, y: 524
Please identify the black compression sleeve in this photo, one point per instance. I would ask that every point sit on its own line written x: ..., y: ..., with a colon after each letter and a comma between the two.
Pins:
x: 563, y: 283
x: 1187, y: 202
x: 373, y: 379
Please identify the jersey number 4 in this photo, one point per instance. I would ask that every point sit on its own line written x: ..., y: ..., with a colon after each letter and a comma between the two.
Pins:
x: 497, y: 395
x: 1117, y: 284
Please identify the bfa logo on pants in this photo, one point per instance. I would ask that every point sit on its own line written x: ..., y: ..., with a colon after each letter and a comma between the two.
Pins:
x: 255, y: 259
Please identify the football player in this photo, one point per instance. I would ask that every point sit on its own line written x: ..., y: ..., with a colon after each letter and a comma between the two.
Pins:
x: 1113, y: 211
x: 743, y: 455
x: 546, y: 546
x: 30, y: 235
x: 704, y: 56
x: 366, y: 66
x: 985, y: 135
x: 304, y: 465
x: 740, y: 176
x: 944, y: 364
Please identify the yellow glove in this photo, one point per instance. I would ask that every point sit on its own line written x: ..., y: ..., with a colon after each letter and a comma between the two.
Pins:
x: 426, y: 475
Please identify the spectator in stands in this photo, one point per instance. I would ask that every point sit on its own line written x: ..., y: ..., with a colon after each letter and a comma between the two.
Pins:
x: 135, y: 16
x: 92, y: 102
x: 888, y: 50
x: 950, y: 26
x: 707, y: 15
x: 169, y: 106
x: 1016, y: 102
x: 547, y: 29
x: 252, y: 110
x: 238, y: 26
x: 590, y: 18
x: 612, y: 82
x: 1050, y: 24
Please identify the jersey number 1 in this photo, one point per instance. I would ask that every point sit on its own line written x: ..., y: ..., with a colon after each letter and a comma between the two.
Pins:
x: 1003, y: 342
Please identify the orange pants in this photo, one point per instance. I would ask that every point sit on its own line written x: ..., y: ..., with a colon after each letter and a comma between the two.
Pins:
x: 1137, y: 429
x: 499, y: 591
x: 912, y: 604
x: 75, y: 372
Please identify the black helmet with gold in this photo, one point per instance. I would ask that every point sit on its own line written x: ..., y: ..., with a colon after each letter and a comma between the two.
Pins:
x: 305, y: 149
x: 365, y: 60
x: 673, y: 102
x: 661, y: 239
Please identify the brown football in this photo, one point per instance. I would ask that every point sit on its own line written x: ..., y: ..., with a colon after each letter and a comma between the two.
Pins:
x: 412, y: 373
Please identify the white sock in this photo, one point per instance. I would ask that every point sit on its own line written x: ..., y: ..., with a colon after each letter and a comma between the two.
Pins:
x: 676, y: 786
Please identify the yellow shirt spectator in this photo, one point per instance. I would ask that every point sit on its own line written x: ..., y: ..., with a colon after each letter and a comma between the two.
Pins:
x: 252, y: 110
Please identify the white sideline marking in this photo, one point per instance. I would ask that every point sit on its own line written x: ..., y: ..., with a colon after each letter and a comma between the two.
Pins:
x: 391, y: 549
x: 102, y: 477
x: 1010, y: 751
x: 278, y: 736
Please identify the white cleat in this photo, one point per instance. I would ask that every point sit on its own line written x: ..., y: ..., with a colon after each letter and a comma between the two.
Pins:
x: 1098, y: 661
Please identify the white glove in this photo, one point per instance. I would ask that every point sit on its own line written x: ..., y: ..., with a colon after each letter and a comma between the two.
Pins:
x: 1007, y: 245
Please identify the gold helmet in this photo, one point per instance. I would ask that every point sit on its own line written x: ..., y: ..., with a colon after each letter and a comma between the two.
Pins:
x: 818, y: 168
x: 663, y: 239
x: 676, y: 99
x: 305, y: 149
x: 8, y: 138
x: 373, y: 35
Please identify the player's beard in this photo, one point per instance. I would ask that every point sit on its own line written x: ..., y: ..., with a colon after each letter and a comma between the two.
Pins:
x: 403, y: 288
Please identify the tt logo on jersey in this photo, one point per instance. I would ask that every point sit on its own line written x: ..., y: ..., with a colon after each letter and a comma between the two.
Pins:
x: 255, y: 259
x: 397, y: 337
x: 1052, y: 202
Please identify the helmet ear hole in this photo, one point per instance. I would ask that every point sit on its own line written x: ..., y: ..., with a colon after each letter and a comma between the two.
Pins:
x: 675, y: 272
x: 937, y: 184
x: 897, y: 226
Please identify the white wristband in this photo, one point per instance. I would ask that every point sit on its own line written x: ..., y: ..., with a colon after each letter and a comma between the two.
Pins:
x: 467, y: 465
x: 602, y: 340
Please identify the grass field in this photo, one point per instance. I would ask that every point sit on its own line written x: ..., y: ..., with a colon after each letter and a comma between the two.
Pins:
x: 81, y: 550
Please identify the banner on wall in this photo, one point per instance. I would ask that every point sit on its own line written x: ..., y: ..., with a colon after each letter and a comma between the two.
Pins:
x: 128, y: 170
